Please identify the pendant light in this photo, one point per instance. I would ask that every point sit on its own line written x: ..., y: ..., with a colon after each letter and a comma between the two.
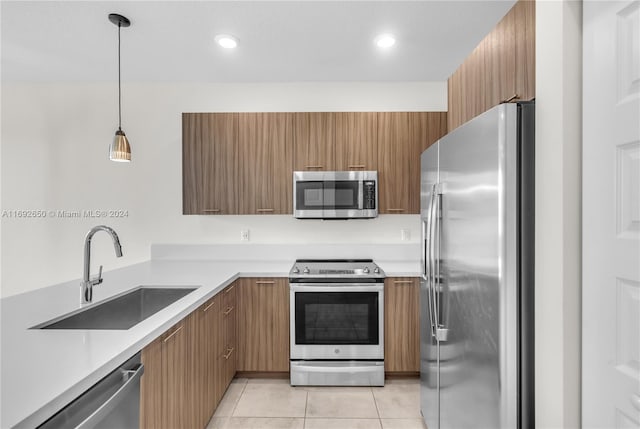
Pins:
x: 119, y: 150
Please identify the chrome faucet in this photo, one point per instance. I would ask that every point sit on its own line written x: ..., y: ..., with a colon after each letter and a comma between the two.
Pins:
x: 88, y: 283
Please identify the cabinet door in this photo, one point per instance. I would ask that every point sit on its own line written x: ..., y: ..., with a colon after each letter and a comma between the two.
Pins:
x: 401, y: 324
x: 229, y: 326
x: 151, y: 391
x: 209, y: 163
x: 402, y: 137
x: 398, y: 135
x: 356, y: 141
x: 177, y: 397
x: 263, y: 324
x: 314, y: 141
x: 205, y: 351
x: 265, y: 163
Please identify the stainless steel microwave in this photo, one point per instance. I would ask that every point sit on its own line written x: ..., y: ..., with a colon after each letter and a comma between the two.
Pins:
x: 335, y: 194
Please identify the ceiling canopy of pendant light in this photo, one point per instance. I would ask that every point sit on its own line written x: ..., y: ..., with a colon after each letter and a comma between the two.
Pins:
x: 119, y: 150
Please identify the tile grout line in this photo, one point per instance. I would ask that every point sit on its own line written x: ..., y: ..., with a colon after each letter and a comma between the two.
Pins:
x: 235, y: 405
x: 306, y: 403
x: 377, y: 409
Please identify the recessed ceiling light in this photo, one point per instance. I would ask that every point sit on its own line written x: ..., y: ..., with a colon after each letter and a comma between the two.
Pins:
x: 385, y: 40
x: 226, y: 41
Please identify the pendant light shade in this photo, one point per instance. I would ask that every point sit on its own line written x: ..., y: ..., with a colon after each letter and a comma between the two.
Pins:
x: 119, y: 150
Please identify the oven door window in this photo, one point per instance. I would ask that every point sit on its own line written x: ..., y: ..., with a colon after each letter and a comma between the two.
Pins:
x: 336, y: 318
x: 327, y: 195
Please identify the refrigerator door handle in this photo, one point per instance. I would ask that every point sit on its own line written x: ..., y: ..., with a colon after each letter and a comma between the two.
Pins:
x: 424, y: 249
x: 429, y: 267
x: 442, y: 332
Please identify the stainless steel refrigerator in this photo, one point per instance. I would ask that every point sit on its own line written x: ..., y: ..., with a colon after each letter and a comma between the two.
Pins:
x: 476, y: 292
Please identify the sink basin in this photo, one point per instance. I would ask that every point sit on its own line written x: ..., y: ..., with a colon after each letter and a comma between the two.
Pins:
x: 120, y: 312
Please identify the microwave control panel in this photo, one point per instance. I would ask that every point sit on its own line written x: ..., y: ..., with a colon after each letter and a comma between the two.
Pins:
x: 369, y: 194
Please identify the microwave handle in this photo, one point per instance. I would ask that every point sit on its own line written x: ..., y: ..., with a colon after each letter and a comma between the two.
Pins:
x: 360, y: 194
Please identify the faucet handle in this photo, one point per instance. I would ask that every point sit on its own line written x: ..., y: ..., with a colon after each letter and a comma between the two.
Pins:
x: 98, y: 279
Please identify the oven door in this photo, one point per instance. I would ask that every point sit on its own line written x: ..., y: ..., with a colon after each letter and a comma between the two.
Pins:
x: 337, y: 321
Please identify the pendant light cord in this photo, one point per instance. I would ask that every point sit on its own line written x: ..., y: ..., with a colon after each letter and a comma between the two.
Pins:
x: 119, y: 84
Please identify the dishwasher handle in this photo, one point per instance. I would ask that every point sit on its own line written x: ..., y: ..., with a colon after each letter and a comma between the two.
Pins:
x: 129, y: 379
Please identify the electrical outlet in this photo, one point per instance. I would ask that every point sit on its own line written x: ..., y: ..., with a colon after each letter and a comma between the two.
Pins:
x: 405, y: 235
x: 244, y: 235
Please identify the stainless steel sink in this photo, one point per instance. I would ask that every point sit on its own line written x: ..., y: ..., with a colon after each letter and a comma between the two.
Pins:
x: 120, y: 312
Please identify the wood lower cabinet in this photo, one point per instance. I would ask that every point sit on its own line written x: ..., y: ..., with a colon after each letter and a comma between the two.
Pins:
x: 189, y: 367
x: 229, y: 334
x: 264, y: 167
x: 263, y: 324
x: 402, y: 324
x: 167, y: 390
x: 205, y: 350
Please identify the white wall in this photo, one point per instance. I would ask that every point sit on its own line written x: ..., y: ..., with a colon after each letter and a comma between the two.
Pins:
x: 558, y: 245
x: 55, y: 139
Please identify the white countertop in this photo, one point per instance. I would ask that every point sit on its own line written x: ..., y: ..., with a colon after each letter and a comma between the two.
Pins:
x: 43, y: 370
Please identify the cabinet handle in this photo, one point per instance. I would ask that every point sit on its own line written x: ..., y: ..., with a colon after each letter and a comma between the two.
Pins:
x: 265, y: 210
x: 264, y: 282
x: 351, y: 167
x: 228, y: 310
x: 313, y: 166
x: 510, y: 99
x: 395, y: 210
x: 403, y: 282
x: 208, y: 306
x: 211, y: 211
x: 229, y: 289
x: 229, y: 351
x: 172, y: 334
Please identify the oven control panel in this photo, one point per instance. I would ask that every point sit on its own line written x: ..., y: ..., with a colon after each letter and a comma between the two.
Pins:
x: 348, y: 269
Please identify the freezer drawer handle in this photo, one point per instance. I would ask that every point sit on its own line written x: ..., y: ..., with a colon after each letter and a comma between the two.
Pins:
x: 129, y: 377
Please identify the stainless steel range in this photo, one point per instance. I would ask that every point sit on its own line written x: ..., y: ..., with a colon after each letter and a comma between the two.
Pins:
x: 337, y: 323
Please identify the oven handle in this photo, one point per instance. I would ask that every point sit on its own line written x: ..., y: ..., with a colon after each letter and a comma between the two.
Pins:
x: 335, y: 287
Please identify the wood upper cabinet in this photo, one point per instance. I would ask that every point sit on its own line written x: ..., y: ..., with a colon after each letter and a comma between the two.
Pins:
x: 356, y: 141
x: 402, y: 324
x: 402, y: 136
x: 209, y: 160
x: 500, y: 67
x: 314, y: 146
x: 265, y: 144
x: 263, y: 324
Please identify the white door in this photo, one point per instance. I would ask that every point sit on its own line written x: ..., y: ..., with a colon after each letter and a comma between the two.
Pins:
x: 611, y: 215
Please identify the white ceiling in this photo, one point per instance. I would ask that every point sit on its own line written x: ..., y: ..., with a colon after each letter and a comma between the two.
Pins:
x: 280, y: 41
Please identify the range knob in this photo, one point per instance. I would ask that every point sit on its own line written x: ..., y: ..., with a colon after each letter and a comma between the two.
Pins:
x: 376, y: 270
x: 366, y: 270
x: 296, y: 270
x: 306, y: 270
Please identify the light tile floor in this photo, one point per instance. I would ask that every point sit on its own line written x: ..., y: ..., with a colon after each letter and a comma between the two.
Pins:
x: 274, y: 404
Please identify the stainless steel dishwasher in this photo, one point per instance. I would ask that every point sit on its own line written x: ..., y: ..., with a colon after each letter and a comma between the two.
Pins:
x: 113, y: 402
